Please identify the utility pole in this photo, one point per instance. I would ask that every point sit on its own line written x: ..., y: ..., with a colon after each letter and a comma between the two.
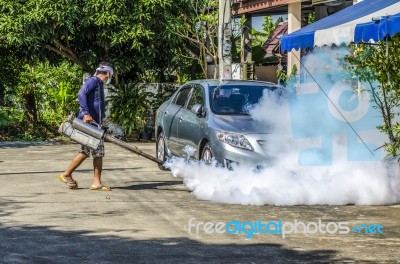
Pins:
x: 246, y: 52
x: 224, y: 40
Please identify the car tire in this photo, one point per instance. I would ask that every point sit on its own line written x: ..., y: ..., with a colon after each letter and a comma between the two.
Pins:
x: 160, y: 150
x: 206, y: 154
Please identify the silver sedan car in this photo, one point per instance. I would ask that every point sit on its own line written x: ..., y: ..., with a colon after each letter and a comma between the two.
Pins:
x: 213, y: 118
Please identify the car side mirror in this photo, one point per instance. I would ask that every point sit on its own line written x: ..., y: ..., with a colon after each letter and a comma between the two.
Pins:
x: 198, y: 110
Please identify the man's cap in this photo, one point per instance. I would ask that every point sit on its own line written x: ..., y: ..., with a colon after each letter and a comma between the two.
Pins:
x: 105, y: 68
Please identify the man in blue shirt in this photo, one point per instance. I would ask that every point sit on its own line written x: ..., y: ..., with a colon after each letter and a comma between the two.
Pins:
x: 92, y: 110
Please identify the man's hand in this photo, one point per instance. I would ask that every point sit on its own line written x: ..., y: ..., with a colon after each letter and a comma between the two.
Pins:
x: 88, y: 118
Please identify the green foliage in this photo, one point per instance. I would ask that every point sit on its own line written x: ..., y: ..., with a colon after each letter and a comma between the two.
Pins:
x: 379, y: 67
x: 283, y: 76
x: 133, y: 35
x: 65, y: 97
x: 42, y: 96
x: 268, y: 26
x: 259, y: 38
x: 164, y: 92
x: 46, y: 46
x: 4, y: 118
x: 48, y: 93
x: 16, y: 130
x: 311, y: 18
x: 198, y: 27
x: 129, y: 106
x: 8, y: 74
x: 133, y: 107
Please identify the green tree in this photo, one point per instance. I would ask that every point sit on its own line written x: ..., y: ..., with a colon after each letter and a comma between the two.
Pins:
x: 311, y: 18
x: 42, y: 95
x: 198, y: 26
x: 11, y: 67
x: 133, y: 35
x: 268, y: 27
x: 260, y: 37
x: 39, y: 37
x: 379, y: 67
x: 47, y: 93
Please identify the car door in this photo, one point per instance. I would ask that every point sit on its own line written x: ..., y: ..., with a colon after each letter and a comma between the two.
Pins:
x: 190, y: 125
x: 171, y: 119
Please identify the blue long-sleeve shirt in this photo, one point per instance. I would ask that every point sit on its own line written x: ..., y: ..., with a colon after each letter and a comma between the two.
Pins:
x: 89, y: 100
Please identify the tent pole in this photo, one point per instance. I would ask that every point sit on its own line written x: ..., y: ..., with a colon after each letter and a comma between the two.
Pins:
x: 387, y: 56
x: 387, y: 46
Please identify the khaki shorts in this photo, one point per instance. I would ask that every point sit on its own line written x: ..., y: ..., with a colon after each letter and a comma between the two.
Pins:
x: 98, y: 153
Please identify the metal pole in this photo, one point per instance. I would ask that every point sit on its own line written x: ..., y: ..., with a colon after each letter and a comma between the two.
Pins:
x: 133, y: 149
x: 224, y: 39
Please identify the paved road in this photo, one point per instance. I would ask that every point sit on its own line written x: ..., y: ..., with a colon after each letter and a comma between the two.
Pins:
x: 145, y: 218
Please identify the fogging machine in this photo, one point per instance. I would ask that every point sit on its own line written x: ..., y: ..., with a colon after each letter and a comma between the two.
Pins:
x: 90, y: 135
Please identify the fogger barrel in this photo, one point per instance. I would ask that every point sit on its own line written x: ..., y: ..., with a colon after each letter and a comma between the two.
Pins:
x: 134, y: 149
x: 82, y: 132
x: 90, y: 136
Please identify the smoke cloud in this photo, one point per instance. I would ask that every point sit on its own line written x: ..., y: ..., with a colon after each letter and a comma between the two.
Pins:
x: 324, y: 151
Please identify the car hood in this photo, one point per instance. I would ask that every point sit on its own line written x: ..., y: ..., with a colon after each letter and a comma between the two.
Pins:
x: 243, y: 124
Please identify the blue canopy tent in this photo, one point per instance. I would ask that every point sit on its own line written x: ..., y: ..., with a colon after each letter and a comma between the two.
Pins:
x: 362, y: 22
x: 389, y: 25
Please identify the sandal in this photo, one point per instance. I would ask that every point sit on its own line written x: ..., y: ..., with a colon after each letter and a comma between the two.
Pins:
x: 99, y: 188
x: 71, y: 184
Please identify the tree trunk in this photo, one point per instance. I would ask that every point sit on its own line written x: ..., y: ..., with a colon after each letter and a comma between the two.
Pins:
x: 68, y: 53
x: 31, y: 107
x: 193, y: 70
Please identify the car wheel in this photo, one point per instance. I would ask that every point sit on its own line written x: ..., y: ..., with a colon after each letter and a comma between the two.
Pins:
x: 206, y: 154
x: 160, y: 150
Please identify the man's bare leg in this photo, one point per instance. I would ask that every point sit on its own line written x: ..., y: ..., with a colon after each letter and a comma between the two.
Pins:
x: 97, y: 166
x: 75, y: 163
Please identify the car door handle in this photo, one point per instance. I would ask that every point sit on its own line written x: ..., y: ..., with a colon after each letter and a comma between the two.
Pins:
x: 166, y: 113
x: 180, y: 119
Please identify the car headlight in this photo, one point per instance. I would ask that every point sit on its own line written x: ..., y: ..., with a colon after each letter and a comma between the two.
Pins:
x: 235, y: 140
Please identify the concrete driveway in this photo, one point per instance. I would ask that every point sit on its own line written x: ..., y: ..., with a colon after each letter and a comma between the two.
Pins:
x: 145, y: 219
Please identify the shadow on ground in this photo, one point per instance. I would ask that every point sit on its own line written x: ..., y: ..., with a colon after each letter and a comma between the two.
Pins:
x: 24, y: 144
x: 152, y: 185
x: 45, y: 245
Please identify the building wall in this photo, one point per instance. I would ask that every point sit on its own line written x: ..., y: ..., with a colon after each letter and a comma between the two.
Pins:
x: 266, y: 73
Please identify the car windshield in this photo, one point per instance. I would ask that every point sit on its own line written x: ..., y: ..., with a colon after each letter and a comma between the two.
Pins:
x: 236, y: 99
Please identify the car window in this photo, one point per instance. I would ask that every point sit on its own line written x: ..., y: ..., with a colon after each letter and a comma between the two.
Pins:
x: 236, y: 99
x: 196, y: 98
x: 182, y: 96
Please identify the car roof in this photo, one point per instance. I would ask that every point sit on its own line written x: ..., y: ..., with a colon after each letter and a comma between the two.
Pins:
x: 215, y: 82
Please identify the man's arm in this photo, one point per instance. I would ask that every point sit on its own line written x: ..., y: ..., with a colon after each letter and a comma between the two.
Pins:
x: 86, y: 88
